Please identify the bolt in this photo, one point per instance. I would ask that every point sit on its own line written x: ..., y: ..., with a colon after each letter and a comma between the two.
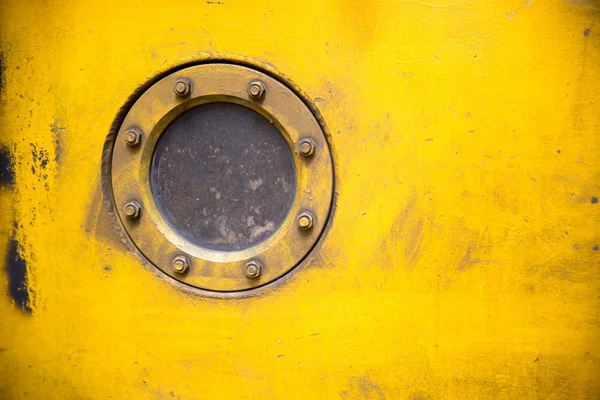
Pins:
x: 133, y: 137
x: 253, y: 269
x: 256, y: 90
x: 307, y: 147
x: 181, y: 264
x: 182, y: 87
x: 305, y: 221
x: 132, y: 209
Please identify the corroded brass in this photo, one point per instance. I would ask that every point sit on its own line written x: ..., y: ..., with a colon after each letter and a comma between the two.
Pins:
x: 182, y: 87
x: 133, y: 137
x: 256, y: 90
x: 181, y: 264
x: 253, y: 269
x: 132, y: 209
x: 305, y: 221
x: 307, y: 147
x: 160, y: 243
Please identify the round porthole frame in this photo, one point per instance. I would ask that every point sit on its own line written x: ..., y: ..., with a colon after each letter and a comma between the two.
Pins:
x: 127, y: 169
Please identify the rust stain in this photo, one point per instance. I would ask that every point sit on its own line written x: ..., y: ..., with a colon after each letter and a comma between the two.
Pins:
x: 2, y: 69
x: 362, y: 388
x: 404, y: 231
x: 400, y: 221
x: 98, y: 223
x: 57, y: 132
x: 467, y: 261
x: 595, y: 4
x: 413, y: 243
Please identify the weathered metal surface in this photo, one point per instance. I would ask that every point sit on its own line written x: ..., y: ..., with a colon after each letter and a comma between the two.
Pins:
x: 463, y: 258
x: 223, y: 176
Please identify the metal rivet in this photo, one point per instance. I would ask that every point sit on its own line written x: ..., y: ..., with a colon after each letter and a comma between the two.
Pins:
x: 307, y: 147
x: 253, y: 269
x: 305, y: 221
x: 132, y: 209
x: 133, y: 137
x: 181, y: 264
x: 256, y: 90
x: 182, y: 87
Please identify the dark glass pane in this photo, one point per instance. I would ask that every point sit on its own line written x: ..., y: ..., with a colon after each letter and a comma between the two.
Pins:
x: 223, y: 176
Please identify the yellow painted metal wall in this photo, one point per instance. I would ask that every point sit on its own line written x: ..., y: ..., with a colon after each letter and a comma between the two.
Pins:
x: 463, y: 260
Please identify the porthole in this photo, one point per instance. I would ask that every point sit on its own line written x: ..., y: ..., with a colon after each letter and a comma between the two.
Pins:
x: 221, y: 176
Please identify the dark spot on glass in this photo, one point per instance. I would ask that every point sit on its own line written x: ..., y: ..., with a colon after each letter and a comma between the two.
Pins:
x: 223, y: 176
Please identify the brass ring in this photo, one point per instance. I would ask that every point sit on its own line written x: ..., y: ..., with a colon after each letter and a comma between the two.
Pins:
x: 209, y: 269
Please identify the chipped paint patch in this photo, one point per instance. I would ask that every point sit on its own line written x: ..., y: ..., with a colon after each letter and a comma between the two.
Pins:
x: 362, y: 388
x: 57, y: 132
x: 16, y: 271
x: 40, y: 158
x: 2, y: 69
x: 7, y: 173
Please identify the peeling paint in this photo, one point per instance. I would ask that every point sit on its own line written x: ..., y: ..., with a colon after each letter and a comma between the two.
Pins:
x: 16, y: 271
x: 7, y: 173
x: 2, y: 69
x: 40, y: 158
x: 362, y: 388
x: 57, y: 132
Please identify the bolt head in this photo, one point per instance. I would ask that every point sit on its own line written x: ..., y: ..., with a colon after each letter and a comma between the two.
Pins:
x: 256, y: 90
x: 133, y: 137
x: 305, y: 221
x: 253, y: 269
x: 182, y: 87
x: 307, y: 147
x: 132, y: 209
x: 181, y: 264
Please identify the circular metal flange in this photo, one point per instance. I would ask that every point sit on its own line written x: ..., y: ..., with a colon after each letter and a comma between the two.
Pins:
x: 160, y: 243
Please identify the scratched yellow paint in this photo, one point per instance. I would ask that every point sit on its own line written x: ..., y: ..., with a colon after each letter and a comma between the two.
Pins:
x: 460, y: 263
